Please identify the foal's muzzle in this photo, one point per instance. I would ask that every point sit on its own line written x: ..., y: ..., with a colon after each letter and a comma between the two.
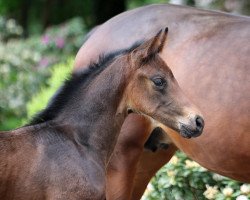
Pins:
x: 194, y: 129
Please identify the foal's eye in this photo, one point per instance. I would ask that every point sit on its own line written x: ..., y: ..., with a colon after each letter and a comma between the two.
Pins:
x: 159, y: 82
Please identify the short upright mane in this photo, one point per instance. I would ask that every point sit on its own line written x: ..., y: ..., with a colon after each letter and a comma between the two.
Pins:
x: 65, y: 92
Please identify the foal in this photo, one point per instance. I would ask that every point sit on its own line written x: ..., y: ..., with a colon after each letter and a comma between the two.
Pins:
x: 64, y: 152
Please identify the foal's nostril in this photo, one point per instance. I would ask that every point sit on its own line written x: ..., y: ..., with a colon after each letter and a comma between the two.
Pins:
x: 194, y: 129
x: 199, y: 123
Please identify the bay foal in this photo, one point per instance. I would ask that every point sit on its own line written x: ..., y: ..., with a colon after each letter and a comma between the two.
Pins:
x: 64, y: 152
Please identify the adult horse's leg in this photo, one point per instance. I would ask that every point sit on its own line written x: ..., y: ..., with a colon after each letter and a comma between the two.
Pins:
x: 123, y: 164
x: 132, y: 166
x: 148, y: 164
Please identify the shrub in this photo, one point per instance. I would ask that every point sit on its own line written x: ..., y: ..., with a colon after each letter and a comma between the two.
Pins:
x: 9, y: 29
x: 66, y: 37
x: 58, y: 42
x: 184, y: 179
x: 24, y: 66
x: 19, y: 81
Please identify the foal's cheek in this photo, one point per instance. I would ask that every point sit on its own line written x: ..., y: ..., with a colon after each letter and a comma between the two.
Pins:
x: 143, y: 94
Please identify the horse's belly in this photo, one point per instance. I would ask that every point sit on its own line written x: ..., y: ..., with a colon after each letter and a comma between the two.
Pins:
x: 219, y: 88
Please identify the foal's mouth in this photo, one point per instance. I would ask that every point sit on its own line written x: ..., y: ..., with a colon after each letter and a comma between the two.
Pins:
x: 187, y: 132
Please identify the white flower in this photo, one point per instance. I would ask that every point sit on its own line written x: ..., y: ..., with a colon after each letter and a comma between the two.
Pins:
x: 5, y: 69
x: 242, y: 197
x: 172, y: 181
x: 19, y: 30
x: 150, y: 187
x: 218, y: 177
x: 10, y: 24
x: 148, y: 190
x: 36, y: 57
x: 174, y: 160
x: 26, y: 54
x: 210, y: 192
x: 191, y: 164
x: 227, y: 191
x: 202, y: 169
x: 245, y: 188
x: 171, y: 173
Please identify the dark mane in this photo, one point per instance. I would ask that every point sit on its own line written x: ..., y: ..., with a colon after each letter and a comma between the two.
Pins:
x: 66, y: 91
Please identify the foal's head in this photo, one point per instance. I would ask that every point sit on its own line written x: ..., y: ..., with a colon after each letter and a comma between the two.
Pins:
x: 154, y: 92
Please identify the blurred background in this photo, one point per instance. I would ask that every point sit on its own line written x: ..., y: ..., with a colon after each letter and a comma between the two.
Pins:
x: 38, y: 42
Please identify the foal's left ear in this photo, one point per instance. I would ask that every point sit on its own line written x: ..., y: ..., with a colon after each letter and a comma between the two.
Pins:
x: 151, y: 47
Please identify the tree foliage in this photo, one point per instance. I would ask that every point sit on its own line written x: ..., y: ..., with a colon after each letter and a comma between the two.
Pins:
x: 36, y: 15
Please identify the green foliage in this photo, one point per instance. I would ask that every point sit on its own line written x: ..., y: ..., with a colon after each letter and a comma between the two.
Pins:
x: 136, y: 3
x: 183, y: 179
x: 24, y: 67
x: 9, y: 5
x: 19, y: 80
x: 59, y: 73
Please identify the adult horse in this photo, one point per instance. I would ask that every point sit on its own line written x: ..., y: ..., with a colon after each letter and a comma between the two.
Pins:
x: 64, y: 152
x: 208, y: 52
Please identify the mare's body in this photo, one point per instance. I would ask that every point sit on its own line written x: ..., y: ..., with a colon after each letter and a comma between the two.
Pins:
x: 64, y: 152
x: 209, y: 55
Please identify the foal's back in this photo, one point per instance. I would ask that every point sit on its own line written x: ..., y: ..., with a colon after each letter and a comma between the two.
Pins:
x: 43, y: 162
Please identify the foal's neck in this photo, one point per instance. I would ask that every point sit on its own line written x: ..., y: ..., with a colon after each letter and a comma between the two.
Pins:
x: 95, y: 112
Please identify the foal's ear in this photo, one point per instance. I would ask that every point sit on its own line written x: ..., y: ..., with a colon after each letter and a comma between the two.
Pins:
x: 151, y: 47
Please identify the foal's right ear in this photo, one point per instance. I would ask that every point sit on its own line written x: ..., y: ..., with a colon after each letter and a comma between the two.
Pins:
x: 150, y: 47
